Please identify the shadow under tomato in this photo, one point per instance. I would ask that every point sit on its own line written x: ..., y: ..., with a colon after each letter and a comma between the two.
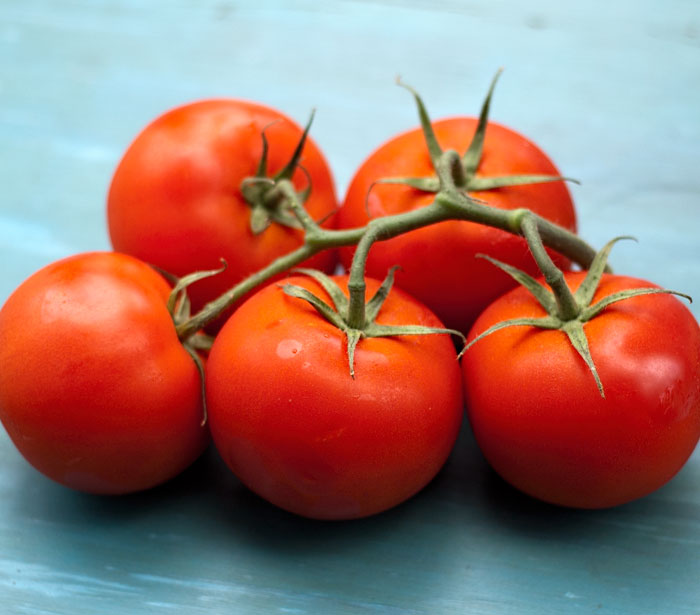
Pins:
x: 260, y: 524
x: 509, y: 504
x: 248, y: 518
x: 43, y: 498
x: 520, y: 514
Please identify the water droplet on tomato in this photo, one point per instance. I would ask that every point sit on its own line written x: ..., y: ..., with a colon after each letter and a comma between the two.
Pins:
x: 288, y: 348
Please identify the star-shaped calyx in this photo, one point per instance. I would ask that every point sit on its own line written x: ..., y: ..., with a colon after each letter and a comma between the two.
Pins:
x: 338, y: 313
x: 465, y: 176
x: 581, y: 308
x: 180, y: 309
x: 267, y: 202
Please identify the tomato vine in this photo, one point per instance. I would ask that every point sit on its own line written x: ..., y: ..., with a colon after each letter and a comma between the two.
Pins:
x: 449, y: 204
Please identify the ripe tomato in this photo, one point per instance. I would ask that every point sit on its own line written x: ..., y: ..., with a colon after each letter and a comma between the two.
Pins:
x: 292, y: 424
x: 438, y: 264
x: 96, y: 390
x: 542, y: 424
x: 176, y: 202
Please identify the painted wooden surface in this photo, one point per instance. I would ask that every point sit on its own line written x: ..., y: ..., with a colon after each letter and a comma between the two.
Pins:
x: 611, y: 90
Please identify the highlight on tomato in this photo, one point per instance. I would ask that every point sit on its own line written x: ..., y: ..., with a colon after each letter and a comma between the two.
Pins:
x: 327, y: 421
x: 590, y: 411
x: 96, y: 390
x: 500, y: 167
x: 199, y: 184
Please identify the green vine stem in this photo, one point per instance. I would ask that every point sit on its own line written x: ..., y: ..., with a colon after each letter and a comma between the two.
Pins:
x: 449, y: 204
x: 568, y: 308
x: 455, y: 178
x: 565, y: 310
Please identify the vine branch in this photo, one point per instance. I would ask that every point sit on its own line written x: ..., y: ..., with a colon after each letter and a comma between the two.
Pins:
x: 449, y: 204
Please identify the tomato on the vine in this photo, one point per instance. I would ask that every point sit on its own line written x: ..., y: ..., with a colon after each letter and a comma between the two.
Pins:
x: 184, y: 192
x: 544, y: 426
x: 438, y: 264
x: 297, y: 429
x: 96, y: 390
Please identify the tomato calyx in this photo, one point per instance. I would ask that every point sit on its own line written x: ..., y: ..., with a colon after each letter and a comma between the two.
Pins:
x: 464, y: 172
x: 567, y: 311
x: 180, y: 309
x: 338, y: 314
x: 261, y: 192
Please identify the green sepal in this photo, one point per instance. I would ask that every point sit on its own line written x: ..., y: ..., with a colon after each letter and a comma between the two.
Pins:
x: 375, y: 330
x: 277, y: 205
x: 170, y: 277
x: 288, y: 170
x: 318, y: 304
x: 593, y: 310
x: 260, y: 219
x: 353, y: 337
x: 472, y: 157
x: 182, y: 309
x: 283, y: 217
x: 464, y: 174
x: 338, y: 316
x: 262, y: 193
x: 543, y: 295
x: 340, y: 301
x: 573, y: 328
x: 577, y: 337
x: 544, y: 322
x: 373, y: 306
x: 201, y: 341
x: 200, y: 368
x: 304, y: 195
x: 583, y: 296
x: 431, y: 141
x: 262, y: 164
x: 178, y: 303
x: 478, y: 184
x: 327, y: 216
x: 584, y: 293
x: 425, y: 184
x: 252, y: 188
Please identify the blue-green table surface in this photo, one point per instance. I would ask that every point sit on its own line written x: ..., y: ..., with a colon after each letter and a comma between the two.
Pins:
x: 610, y: 89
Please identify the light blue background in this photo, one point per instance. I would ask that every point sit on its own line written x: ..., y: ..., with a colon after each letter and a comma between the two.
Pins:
x: 611, y: 90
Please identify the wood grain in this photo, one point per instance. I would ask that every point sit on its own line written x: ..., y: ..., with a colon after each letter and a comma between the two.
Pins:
x: 611, y: 90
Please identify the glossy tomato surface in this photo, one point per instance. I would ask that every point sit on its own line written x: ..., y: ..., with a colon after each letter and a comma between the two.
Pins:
x: 96, y: 390
x: 175, y: 199
x: 293, y: 425
x: 538, y: 416
x: 438, y: 262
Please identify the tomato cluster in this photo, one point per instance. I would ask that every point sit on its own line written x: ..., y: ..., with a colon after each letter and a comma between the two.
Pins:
x: 105, y: 390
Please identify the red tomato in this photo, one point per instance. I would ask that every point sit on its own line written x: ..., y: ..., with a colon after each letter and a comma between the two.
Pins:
x: 293, y: 425
x: 175, y: 200
x: 438, y: 262
x: 96, y: 390
x: 538, y: 416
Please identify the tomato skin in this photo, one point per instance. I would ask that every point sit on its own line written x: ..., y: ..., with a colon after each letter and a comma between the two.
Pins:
x: 438, y: 262
x: 96, y: 391
x: 542, y: 425
x: 292, y: 424
x: 175, y: 199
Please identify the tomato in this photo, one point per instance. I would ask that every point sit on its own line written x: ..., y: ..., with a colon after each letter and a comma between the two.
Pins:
x: 96, y: 390
x: 175, y: 200
x: 438, y: 264
x: 297, y: 429
x: 540, y: 420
